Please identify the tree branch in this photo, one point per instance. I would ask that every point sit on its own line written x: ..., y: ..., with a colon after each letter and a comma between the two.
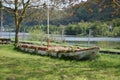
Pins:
x: 116, y: 2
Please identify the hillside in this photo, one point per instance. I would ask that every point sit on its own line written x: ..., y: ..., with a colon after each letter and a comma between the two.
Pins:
x: 91, y: 11
x: 85, y: 11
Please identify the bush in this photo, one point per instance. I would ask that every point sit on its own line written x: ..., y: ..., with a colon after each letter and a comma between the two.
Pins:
x: 37, y: 34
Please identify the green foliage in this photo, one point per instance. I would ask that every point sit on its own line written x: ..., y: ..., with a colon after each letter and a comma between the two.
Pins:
x: 15, y: 65
x: 116, y: 22
x: 77, y: 29
x: 71, y: 29
x: 37, y: 34
x: 98, y: 29
x: 116, y: 31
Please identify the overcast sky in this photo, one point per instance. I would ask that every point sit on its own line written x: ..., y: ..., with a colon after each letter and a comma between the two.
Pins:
x: 41, y: 1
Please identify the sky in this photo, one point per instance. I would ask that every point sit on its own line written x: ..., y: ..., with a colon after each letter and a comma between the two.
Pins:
x: 42, y: 1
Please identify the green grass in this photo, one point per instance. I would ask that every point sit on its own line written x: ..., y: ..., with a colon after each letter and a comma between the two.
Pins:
x: 15, y: 65
x: 112, y: 50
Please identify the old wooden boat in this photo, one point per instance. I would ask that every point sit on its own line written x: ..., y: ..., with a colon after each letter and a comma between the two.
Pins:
x: 61, y: 51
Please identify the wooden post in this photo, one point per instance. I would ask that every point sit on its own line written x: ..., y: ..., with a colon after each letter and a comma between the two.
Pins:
x: 89, y: 35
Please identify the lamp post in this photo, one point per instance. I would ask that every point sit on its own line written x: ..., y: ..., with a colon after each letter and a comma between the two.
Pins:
x: 1, y: 29
x: 48, y: 17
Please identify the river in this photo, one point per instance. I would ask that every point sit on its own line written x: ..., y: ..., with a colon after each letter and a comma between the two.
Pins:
x: 66, y: 38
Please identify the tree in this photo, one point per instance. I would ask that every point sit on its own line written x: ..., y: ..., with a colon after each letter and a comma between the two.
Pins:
x: 20, y: 7
x: 19, y: 17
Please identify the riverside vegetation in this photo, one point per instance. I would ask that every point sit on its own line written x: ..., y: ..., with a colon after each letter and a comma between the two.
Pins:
x: 15, y: 65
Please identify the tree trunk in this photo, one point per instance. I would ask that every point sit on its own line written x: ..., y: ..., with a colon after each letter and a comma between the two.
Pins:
x: 16, y: 36
x: 19, y: 18
x: 17, y: 25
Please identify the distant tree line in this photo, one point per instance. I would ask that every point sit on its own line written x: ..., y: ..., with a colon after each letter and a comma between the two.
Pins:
x: 97, y: 28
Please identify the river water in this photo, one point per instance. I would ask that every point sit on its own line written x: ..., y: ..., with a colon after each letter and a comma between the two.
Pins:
x: 66, y: 38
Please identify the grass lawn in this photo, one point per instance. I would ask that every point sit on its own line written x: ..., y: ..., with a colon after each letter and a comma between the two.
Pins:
x: 15, y: 65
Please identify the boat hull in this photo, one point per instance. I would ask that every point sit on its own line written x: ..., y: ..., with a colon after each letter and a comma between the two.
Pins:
x: 87, y: 53
x: 83, y: 54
